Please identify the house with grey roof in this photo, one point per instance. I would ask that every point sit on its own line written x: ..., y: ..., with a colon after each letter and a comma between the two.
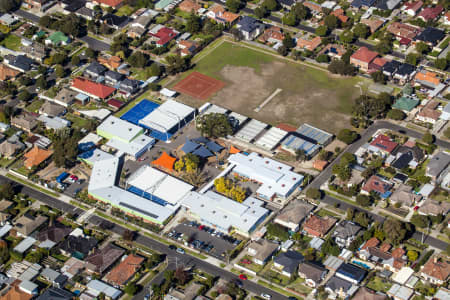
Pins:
x: 249, y: 27
x: 287, y: 262
x: 113, y: 78
x: 345, y: 233
x: 437, y: 164
x: 129, y: 86
x: 54, y: 293
x: 340, y: 287
x: 95, y: 69
x: 262, y: 250
x: 312, y: 273
x: 294, y: 214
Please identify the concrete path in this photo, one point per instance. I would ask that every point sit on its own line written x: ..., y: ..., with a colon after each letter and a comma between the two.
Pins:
x: 261, y: 106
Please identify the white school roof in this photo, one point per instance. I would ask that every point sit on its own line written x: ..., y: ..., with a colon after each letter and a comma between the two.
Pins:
x: 25, y: 244
x: 167, y: 115
x: 121, y: 129
x: 99, y: 114
x: 224, y: 213
x: 275, y: 177
x: 97, y: 155
x: 160, y: 184
x: 239, y: 117
x: 271, y: 138
x: 104, y: 174
x: 5, y: 229
x: 134, y: 147
x: 90, y: 138
x: 403, y: 275
x: 250, y: 130
x: 215, y: 109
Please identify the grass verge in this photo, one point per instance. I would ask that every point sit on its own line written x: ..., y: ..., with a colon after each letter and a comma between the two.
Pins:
x: 34, y: 186
x: 278, y: 290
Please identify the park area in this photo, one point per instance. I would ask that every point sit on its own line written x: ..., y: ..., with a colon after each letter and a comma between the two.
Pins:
x: 251, y: 76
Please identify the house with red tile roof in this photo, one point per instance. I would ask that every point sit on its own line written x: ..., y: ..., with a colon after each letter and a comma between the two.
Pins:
x: 436, y: 270
x: 124, y: 271
x: 372, y: 242
x: 447, y: 18
x: 115, y: 104
x: 374, y: 23
x: 377, y: 64
x: 383, y: 144
x: 378, y: 185
x: 318, y: 226
x: 93, y: 89
x: 7, y: 73
x: 189, y: 6
x: 36, y: 156
x: 412, y: 8
x: 272, y: 35
x: 403, y: 31
x: 340, y: 14
x: 333, y: 50
x: 109, y: 3
x: 308, y: 42
x: 220, y: 15
x: 362, y: 58
x: 430, y: 13
x: 427, y: 78
x: 162, y: 35
x: 314, y: 7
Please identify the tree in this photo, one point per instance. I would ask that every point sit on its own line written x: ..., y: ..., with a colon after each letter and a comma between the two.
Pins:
x: 330, y: 247
x: 412, y: 59
x: 313, y: 193
x: 422, y: 48
x: 339, y: 66
x: 233, y: 5
x: 347, y: 136
x: 6, y: 191
x: 4, y: 252
x: 277, y: 231
x: 290, y: 19
x: 25, y: 80
x: 128, y: 235
x: 75, y: 61
x: 331, y: 21
x: 45, y: 21
x: 412, y: 255
x: 270, y: 5
x: 177, y: 64
x: 214, y: 125
x: 41, y: 82
x: 155, y: 69
x: 300, y: 155
x: 193, y: 24
x: 379, y: 77
x: 260, y: 12
x: 325, y: 155
x: 59, y: 71
x: 420, y: 221
x: 386, y: 43
x: 322, y: 30
x: 343, y: 172
x: 441, y: 63
x: 396, y: 114
x: 322, y: 58
x: 24, y: 95
x: 447, y: 133
x: 131, y: 288
x: 361, y: 30
x: 288, y: 41
x: 363, y: 200
x: 58, y: 58
x: 350, y: 214
x: 362, y: 219
x: 395, y: 230
x: 138, y: 59
x: 347, y: 37
x: 348, y: 159
x: 428, y: 138
x: 301, y: 12
x: 181, y: 276
x: 282, y: 50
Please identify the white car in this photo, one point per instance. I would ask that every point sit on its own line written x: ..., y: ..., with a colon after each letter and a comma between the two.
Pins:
x: 266, y: 296
x: 180, y: 251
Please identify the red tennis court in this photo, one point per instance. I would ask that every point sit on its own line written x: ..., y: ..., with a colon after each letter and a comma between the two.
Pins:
x: 199, y: 86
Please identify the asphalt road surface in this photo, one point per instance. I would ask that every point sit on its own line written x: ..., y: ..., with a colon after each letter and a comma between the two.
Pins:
x: 172, y: 256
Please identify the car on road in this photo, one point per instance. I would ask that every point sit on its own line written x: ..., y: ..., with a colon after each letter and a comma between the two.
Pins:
x: 180, y: 251
x: 243, y: 277
x: 402, y: 131
x: 172, y: 247
x: 266, y: 296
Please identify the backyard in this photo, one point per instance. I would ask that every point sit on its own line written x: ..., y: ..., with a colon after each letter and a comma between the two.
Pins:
x: 12, y: 42
x: 251, y: 75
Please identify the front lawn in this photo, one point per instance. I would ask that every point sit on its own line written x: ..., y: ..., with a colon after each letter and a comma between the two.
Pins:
x: 325, y: 212
x: 299, y: 286
x: 379, y: 284
x: 273, y: 276
x: 77, y: 121
x: 12, y: 42
x: 35, y: 105
x: 125, y: 10
x: 252, y: 266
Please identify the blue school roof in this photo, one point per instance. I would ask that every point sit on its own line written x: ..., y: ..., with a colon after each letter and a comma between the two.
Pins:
x: 139, y: 111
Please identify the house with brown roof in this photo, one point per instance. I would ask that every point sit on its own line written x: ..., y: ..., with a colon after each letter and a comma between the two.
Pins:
x: 427, y: 78
x: 26, y: 122
x: 111, y: 62
x: 36, y: 156
x: 333, y: 51
x: 434, y: 208
x: 7, y: 73
x: 430, y: 13
x: 14, y: 292
x: 373, y: 23
x: 187, y: 47
x: 364, y: 293
x: 318, y: 226
x: 189, y: 6
x: 362, y: 58
x: 9, y: 149
x: 436, y: 270
x: 272, y: 35
x: 340, y: 14
x: 378, y: 185
x: 72, y: 267
x: 27, y: 224
x: 220, y: 15
x: 55, y: 233
x: 320, y: 164
x: 99, y: 261
x: 124, y: 271
x: 52, y: 109
x: 308, y: 42
x: 412, y: 8
x: 429, y: 113
x: 314, y: 7
x: 405, y: 195
x: 403, y: 31
x: 312, y: 273
x: 293, y: 214
x: 262, y: 250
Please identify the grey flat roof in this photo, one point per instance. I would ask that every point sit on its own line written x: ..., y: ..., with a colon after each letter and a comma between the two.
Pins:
x: 25, y: 245
x: 250, y: 130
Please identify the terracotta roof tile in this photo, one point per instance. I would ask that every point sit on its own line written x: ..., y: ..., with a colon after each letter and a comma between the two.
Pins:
x: 364, y: 54
x: 93, y: 88
x: 36, y: 156
x: 124, y: 270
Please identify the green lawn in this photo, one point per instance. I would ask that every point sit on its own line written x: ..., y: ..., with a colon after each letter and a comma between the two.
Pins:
x: 307, y: 94
x: 253, y: 267
x: 299, y: 286
x: 271, y: 275
x: 35, y: 105
x: 325, y: 212
x: 125, y: 10
x: 378, y: 284
x: 77, y: 121
x: 278, y: 290
x: 36, y: 187
x: 12, y: 42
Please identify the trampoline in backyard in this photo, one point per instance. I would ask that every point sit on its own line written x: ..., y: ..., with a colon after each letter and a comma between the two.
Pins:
x: 139, y: 111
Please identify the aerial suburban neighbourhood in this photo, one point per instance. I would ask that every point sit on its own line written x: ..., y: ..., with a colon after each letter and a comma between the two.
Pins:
x: 224, y: 149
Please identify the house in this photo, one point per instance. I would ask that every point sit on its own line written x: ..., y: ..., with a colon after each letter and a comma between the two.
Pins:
x: 249, y: 27
x: 124, y: 271
x: 294, y: 214
x: 55, y: 293
x: 35, y: 51
x: 372, y: 242
x: 312, y: 273
x: 77, y: 246
x: 287, y: 4
x: 7, y: 73
x: 189, y: 6
x: 362, y: 58
x: 340, y: 14
x: 388, y: 4
x: 400, y: 292
x: 113, y: 77
x: 447, y: 18
x: 364, y: 293
x: 446, y: 112
x: 27, y: 224
x: 54, y: 277
x: 95, y: 69
x: 391, y: 68
x: 320, y: 164
x: 9, y: 149
x: 437, y: 164
x: 187, y: 47
x: 313, y: 7
x: 404, y: 73
x: 91, y: 88
x: 351, y: 273
x: 377, y: 64
x: 14, y: 292
x: 272, y: 35
x: 96, y: 287
x: 318, y: 226
x: 72, y: 267
x: 86, y: 13
x: 262, y: 250
x: 100, y: 260
x: 411, y: 8
x: 188, y: 293
x: 26, y: 122
x: 52, y: 109
x: 109, y: 3
x: 139, y: 26
x: 115, y: 104
x: 430, y: 13
x: 406, y: 103
x: 220, y: 15
x: 373, y: 23
x: 378, y: 185
x: 405, y: 196
x: 287, y: 262
x: 431, y: 36
x: 162, y: 35
x: 407, y: 156
x: 382, y: 144
x: 20, y: 63
x: 345, y: 233
x: 7, y: 19
x: 54, y: 233
x: 434, y: 208
x: 111, y: 62
x: 427, y: 78
x: 129, y: 86
x: 36, y: 156
x: 308, y: 42
x: 57, y: 38
x: 333, y: 51
x: 338, y: 286
x: 65, y: 97
x: 115, y: 21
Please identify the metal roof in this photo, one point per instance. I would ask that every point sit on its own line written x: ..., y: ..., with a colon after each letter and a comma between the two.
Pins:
x: 133, y: 148
x: 96, y: 287
x: 215, y: 109
x: 297, y: 143
x: 25, y: 245
x: 271, y: 138
x: 250, y: 131
x: 4, y: 230
x: 118, y: 128
x: 317, y: 135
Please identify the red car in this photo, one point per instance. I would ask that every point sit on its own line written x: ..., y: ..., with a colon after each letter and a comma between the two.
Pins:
x: 201, y: 227
x: 416, y: 208
x: 243, y: 277
x: 246, y: 261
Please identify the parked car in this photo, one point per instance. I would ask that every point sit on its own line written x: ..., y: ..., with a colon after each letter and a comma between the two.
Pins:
x: 180, y: 251
x: 243, y: 277
x: 266, y: 296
